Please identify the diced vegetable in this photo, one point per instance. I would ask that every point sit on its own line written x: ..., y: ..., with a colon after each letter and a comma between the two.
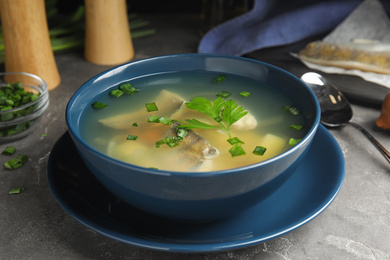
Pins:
x: 16, y: 190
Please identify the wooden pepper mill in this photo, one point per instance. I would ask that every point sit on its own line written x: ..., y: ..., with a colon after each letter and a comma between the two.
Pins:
x: 107, y: 36
x: 26, y: 40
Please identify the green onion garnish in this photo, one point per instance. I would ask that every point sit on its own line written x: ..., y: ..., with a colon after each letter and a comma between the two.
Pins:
x: 224, y: 94
x: 171, y: 141
x: 293, y: 141
x: 292, y: 109
x: 16, y: 190
x: 9, y: 150
x: 181, y: 133
x: 116, y: 92
x: 235, y: 140
x: 135, y: 124
x: 128, y: 89
x: 15, y: 163
x: 160, y: 119
x: 219, y: 79
x: 296, y: 127
x: 150, y: 107
x: 245, y: 93
x: 132, y: 137
x: 236, y: 150
x: 259, y: 150
x: 98, y: 105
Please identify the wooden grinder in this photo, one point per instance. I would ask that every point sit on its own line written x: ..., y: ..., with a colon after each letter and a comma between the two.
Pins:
x: 26, y: 40
x: 107, y: 36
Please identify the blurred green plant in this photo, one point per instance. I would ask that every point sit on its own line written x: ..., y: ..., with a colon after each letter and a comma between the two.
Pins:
x: 67, y: 31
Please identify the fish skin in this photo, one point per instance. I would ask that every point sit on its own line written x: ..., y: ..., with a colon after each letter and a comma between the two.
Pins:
x: 364, y: 57
x: 193, y: 147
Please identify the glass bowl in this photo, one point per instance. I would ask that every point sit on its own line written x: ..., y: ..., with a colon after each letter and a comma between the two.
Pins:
x: 17, y: 121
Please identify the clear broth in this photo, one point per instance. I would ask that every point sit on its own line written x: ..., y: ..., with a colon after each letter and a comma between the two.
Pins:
x: 264, y: 103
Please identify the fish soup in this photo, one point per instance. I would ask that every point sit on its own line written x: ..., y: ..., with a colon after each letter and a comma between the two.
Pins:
x: 192, y: 121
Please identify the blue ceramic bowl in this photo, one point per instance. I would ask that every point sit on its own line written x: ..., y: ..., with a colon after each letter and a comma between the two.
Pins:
x: 194, y: 196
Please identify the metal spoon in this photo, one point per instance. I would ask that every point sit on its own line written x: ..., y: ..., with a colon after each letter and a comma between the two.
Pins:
x: 335, y: 108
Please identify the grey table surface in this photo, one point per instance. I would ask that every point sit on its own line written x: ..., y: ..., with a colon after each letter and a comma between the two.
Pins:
x: 34, y: 226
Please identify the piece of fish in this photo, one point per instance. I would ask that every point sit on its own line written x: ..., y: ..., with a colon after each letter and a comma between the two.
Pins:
x: 167, y: 103
x: 361, y: 54
x: 193, y: 150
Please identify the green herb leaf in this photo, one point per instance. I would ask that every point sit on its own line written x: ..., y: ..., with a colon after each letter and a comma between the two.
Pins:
x: 98, y: 105
x: 135, y: 124
x: 204, y: 106
x: 9, y: 150
x: 259, y: 150
x: 219, y: 79
x: 150, y: 107
x: 196, y: 124
x: 232, y: 113
x: 16, y: 190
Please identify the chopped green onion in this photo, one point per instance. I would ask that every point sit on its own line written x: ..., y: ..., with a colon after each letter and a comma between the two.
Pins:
x: 219, y: 79
x: 160, y: 119
x: 132, y: 137
x: 224, y: 94
x: 43, y: 135
x: 98, y: 105
x: 296, y: 127
x: 235, y: 140
x: 15, y: 163
x: 9, y: 150
x: 116, y: 92
x: 16, y: 190
x: 181, y: 133
x: 171, y: 141
x: 128, y: 89
x: 135, y: 124
x: 259, y: 150
x: 292, y: 109
x: 236, y: 150
x: 293, y: 141
x: 150, y: 107
x: 245, y: 93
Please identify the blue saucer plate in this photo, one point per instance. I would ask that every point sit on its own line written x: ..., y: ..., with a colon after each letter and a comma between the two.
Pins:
x: 304, y: 196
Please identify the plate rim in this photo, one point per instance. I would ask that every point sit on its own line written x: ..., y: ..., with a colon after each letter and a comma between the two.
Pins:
x: 131, y: 239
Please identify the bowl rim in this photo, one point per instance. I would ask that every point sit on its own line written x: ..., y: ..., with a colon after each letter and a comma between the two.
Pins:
x: 44, y: 90
x: 309, y: 135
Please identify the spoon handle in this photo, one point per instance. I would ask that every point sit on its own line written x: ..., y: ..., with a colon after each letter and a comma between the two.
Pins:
x: 378, y: 145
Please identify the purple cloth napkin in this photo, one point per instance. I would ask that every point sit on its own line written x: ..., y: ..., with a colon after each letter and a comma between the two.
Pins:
x: 275, y: 23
